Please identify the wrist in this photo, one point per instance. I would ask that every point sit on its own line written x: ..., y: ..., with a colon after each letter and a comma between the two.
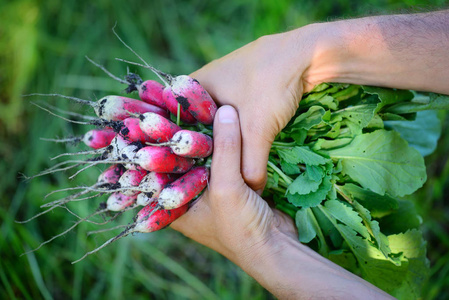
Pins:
x: 323, y: 52
x: 291, y: 270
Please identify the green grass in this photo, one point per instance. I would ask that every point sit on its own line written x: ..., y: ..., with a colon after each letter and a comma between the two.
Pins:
x: 42, y: 49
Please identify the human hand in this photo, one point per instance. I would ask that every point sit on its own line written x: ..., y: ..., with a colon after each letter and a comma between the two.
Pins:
x: 230, y: 217
x: 235, y: 221
x: 262, y: 80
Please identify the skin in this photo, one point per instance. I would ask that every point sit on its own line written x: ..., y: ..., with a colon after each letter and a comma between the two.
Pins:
x: 268, y: 78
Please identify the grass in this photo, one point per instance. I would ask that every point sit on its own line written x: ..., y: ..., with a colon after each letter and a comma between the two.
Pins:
x: 42, y: 50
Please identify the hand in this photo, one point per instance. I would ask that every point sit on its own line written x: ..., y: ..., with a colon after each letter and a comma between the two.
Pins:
x: 230, y: 217
x: 262, y: 81
x: 233, y: 220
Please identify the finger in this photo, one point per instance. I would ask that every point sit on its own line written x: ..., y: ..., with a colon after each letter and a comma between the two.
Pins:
x: 255, y: 151
x: 227, y: 147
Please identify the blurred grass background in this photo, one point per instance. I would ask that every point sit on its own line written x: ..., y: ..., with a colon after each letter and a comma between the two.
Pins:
x: 42, y: 49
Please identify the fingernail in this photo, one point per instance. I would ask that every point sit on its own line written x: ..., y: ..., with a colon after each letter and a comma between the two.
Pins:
x: 227, y: 114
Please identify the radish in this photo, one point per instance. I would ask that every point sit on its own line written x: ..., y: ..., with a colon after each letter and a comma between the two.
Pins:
x: 184, y: 189
x: 162, y: 160
x: 173, y: 106
x: 157, y: 127
x: 111, y: 175
x: 189, y: 93
x: 188, y: 143
x: 151, y: 186
x: 150, y: 91
x: 98, y: 138
x: 113, y: 150
x: 118, y: 201
x: 148, y: 220
x: 95, y: 138
x: 114, y: 108
x: 150, y: 158
x: 148, y: 189
x: 131, y: 179
x: 131, y: 131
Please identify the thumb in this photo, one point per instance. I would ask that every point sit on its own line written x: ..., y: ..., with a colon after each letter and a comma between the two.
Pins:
x: 226, y: 157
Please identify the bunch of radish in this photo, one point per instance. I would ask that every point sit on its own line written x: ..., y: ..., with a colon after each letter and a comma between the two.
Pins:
x: 157, y: 147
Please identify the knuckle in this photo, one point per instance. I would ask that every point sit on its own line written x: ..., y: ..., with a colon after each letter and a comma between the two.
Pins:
x: 255, y: 179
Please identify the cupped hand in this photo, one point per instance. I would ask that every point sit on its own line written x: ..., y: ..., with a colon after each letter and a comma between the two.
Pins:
x: 263, y: 82
x: 230, y: 217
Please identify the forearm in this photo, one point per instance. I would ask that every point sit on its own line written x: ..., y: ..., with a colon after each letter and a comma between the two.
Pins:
x: 400, y: 51
x: 291, y: 270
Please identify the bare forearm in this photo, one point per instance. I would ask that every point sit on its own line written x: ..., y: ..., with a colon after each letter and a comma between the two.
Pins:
x: 291, y: 270
x: 400, y: 51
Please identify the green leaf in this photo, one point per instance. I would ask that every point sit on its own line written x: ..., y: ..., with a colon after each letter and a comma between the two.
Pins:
x: 382, y: 162
x: 303, y: 185
x: 359, y: 115
x: 345, y: 259
x: 413, y: 247
x: 319, y: 88
x: 403, y: 219
x: 346, y: 93
x: 330, y: 144
x: 314, y: 198
x: 307, y: 227
x: 346, y: 215
x: 308, y: 119
x: 431, y: 102
x: 315, y: 173
x: 301, y: 154
x: 375, y: 268
x: 290, y: 169
x: 322, y: 99
x: 374, y: 229
x: 388, y: 96
x: 422, y: 133
x: 378, y: 205
x: 327, y: 228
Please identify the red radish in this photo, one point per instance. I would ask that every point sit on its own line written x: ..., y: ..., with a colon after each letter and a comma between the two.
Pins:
x: 158, y: 220
x: 162, y: 160
x: 189, y: 93
x: 148, y: 220
x: 173, y: 105
x: 128, y: 153
x: 114, y: 108
x: 151, y: 186
x: 111, y: 175
x: 131, y: 131
x: 194, y: 98
x: 184, y: 189
x: 150, y: 91
x: 118, y: 201
x: 150, y: 158
x: 95, y: 138
x: 188, y: 143
x: 157, y: 127
x: 131, y: 179
x: 111, y: 151
x: 98, y: 138
x: 148, y: 189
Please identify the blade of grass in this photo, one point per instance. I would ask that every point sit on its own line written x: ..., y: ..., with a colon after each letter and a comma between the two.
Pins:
x: 179, y: 270
x: 35, y: 270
